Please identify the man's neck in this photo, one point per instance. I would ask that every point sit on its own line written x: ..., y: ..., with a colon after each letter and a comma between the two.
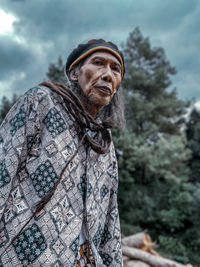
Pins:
x: 91, y: 108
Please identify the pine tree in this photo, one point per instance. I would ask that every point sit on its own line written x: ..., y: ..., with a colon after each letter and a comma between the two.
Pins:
x: 148, y: 100
x: 56, y: 71
x: 5, y: 106
x: 154, y: 192
x: 193, y: 137
x: 192, y: 234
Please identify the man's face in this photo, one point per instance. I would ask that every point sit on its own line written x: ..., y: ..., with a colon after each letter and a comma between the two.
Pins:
x: 99, y: 77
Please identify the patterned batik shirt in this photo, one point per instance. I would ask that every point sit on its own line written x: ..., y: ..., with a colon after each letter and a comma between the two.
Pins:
x: 37, y: 138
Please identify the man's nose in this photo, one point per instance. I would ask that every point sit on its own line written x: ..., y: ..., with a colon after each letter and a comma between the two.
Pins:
x: 107, y: 74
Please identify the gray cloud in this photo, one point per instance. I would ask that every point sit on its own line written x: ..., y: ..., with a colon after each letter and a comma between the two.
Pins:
x: 50, y: 18
x: 14, y: 57
x: 49, y: 28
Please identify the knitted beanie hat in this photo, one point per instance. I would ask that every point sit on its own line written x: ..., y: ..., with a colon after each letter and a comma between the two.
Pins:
x: 93, y: 45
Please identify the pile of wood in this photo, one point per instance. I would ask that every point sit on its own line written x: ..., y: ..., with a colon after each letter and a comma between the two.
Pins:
x: 138, y: 252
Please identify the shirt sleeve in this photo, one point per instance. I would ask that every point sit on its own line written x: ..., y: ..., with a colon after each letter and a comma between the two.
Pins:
x: 17, y: 133
x: 110, y: 247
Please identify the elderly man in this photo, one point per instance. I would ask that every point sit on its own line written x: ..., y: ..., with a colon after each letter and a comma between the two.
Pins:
x: 58, y: 169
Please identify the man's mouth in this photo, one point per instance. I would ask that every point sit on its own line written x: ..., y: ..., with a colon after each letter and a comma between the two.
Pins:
x: 104, y: 89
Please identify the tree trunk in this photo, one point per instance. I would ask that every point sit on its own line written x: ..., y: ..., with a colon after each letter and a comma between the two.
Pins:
x: 136, y: 240
x: 140, y: 240
x: 155, y: 261
x: 134, y: 263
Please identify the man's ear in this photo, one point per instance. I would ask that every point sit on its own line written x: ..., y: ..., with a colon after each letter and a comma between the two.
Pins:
x: 73, y: 75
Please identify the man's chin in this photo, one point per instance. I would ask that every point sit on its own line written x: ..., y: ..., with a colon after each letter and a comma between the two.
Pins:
x: 100, y: 101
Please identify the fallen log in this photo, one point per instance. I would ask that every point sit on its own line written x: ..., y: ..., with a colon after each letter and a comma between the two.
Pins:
x: 140, y: 240
x: 133, y: 263
x: 136, y: 240
x: 155, y: 261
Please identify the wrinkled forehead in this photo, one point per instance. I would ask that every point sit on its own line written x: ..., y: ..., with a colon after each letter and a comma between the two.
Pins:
x: 103, y: 55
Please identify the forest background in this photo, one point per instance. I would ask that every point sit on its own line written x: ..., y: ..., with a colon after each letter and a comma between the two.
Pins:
x: 158, y: 152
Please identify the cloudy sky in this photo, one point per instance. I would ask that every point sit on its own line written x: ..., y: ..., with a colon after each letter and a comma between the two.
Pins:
x: 33, y: 33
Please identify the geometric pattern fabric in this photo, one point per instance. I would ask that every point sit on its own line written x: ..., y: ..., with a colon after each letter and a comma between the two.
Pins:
x: 62, y: 214
x: 105, y: 237
x: 44, y: 178
x: 29, y: 245
x: 107, y: 260
x: 58, y: 246
x: 29, y: 168
x: 18, y: 120
x: 104, y: 192
x: 54, y: 122
x: 74, y: 245
x: 16, y: 205
x: 4, y: 175
x: 97, y: 237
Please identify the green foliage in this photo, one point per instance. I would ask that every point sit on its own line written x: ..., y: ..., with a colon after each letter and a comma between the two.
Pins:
x: 192, y: 234
x: 147, y: 69
x: 56, y: 71
x: 147, y: 78
x: 173, y: 248
x: 193, y: 136
x: 5, y: 106
x: 154, y: 190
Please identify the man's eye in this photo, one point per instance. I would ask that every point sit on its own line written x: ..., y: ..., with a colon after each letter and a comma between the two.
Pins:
x: 97, y: 62
x: 116, y: 69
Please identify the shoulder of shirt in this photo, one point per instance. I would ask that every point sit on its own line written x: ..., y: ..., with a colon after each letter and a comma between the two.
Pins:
x: 33, y: 97
x: 38, y: 92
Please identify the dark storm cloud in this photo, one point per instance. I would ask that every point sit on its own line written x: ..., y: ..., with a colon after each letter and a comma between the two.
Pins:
x: 51, y: 18
x: 14, y: 57
x: 166, y: 15
x: 50, y: 28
